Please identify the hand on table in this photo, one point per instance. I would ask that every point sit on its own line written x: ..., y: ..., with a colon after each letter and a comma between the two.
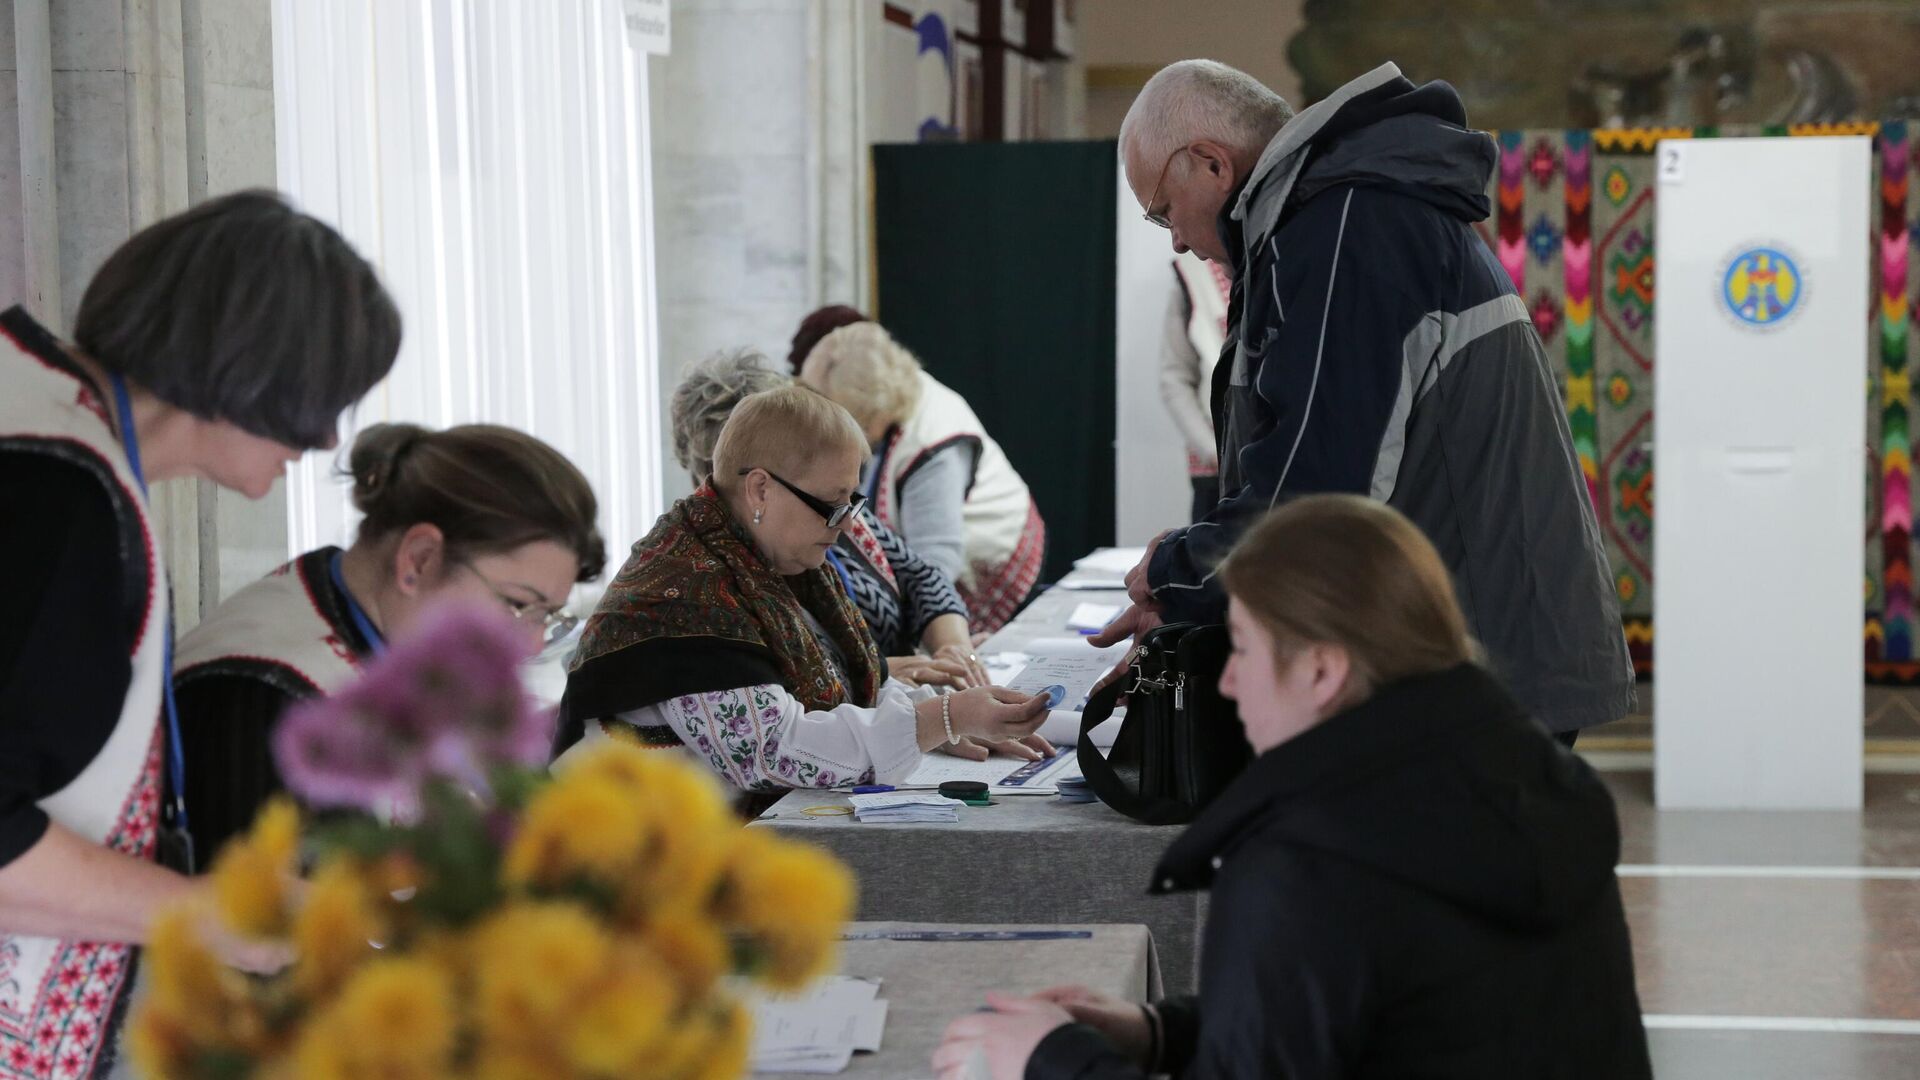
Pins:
x: 1124, y: 1023
x: 974, y: 748
x: 1002, y: 1040
x: 936, y: 670
x: 976, y: 669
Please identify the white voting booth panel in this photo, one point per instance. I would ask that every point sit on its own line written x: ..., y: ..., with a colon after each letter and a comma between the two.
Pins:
x: 1759, y: 434
x: 1151, y: 491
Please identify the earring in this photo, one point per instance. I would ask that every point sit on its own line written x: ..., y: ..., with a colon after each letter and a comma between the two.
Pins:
x: 758, y: 514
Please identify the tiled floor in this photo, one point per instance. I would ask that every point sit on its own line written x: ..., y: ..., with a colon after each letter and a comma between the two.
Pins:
x: 1750, y: 928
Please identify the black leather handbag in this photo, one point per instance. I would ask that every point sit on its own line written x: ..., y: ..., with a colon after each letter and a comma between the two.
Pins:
x: 1181, y: 743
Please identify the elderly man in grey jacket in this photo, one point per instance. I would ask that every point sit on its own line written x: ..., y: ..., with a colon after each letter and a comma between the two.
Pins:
x: 1375, y: 346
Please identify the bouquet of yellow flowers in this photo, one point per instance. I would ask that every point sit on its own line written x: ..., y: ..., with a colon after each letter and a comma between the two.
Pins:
x: 467, y: 916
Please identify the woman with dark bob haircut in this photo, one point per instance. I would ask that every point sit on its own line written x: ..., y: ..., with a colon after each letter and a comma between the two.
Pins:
x: 220, y: 344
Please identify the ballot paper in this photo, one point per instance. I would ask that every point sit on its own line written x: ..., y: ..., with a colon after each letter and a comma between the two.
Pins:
x: 1067, y: 680
x: 820, y: 1029
x: 1002, y: 775
x: 1092, y: 584
x: 1113, y: 561
x: 1092, y: 618
x: 904, y: 806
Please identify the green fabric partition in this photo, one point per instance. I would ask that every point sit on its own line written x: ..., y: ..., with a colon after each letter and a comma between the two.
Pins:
x: 996, y: 267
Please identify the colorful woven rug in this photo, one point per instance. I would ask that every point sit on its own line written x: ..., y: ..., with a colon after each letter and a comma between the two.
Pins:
x: 1574, y: 226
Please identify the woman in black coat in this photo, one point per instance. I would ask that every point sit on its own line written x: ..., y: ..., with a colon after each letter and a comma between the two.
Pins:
x: 1413, y: 878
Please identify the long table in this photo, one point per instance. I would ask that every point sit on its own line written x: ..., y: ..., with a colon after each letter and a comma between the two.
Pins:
x: 1024, y: 859
x: 927, y: 984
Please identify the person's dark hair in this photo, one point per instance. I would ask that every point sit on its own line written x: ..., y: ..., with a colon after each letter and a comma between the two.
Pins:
x: 247, y: 311
x: 488, y: 489
x: 816, y: 326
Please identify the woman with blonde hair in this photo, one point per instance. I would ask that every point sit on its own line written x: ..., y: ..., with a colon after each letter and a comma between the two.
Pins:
x: 1413, y: 877
x: 907, y: 603
x: 937, y: 476
x: 726, y: 633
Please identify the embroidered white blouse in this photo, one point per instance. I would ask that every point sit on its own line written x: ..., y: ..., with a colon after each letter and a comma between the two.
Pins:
x: 760, y: 738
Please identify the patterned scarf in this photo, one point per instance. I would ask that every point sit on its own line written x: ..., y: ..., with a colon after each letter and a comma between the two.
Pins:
x: 696, y: 609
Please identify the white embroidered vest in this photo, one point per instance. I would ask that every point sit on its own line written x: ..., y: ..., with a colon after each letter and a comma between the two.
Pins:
x: 59, y: 1000
x: 274, y: 621
x: 998, y: 504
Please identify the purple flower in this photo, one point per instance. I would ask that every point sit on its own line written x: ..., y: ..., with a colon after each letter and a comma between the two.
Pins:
x: 330, y: 758
x: 444, y: 702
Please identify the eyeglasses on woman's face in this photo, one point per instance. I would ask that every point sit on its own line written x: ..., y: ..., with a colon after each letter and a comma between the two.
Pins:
x: 835, y: 515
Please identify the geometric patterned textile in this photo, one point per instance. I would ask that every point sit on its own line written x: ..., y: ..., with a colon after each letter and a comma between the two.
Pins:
x: 1574, y: 227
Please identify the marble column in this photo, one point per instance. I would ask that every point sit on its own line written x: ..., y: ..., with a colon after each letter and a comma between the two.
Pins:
x: 733, y: 178
x: 120, y: 157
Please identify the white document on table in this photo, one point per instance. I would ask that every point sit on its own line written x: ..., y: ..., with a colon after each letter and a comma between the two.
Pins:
x: 1074, y: 674
x: 819, y: 1030
x: 1092, y: 617
x: 1076, y: 646
x: 1002, y: 775
x: 1092, y: 584
x: 1115, y: 561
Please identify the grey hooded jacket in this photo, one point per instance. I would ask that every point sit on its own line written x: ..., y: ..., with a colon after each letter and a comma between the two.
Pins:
x: 1377, y: 347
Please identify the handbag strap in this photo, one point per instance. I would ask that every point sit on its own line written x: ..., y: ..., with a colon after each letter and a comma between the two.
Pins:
x: 1104, y: 780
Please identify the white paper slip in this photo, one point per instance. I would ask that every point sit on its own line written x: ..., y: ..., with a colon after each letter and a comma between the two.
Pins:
x: 1077, y: 645
x: 1092, y: 617
x: 1004, y: 666
x: 1062, y: 729
x: 1002, y: 775
x: 819, y: 1030
x: 1114, y: 561
x: 1069, y: 678
x: 1092, y: 584
x: 904, y: 806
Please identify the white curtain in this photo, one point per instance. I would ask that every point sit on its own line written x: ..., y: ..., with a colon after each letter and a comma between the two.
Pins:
x: 491, y: 158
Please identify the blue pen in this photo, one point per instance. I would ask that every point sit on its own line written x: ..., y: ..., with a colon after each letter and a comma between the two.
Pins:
x: 873, y: 789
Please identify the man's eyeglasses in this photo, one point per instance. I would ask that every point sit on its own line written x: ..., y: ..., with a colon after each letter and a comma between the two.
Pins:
x: 835, y: 516
x: 554, y: 623
x: 1160, y: 217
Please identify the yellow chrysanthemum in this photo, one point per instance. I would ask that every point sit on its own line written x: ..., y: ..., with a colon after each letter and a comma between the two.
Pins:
x: 713, y: 1045
x: 532, y: 963
x: 685, y: 866
x: 578, y: 826
x: 792, y: 900
x: 334, y: 928
x: 514, y: 1065
x: 622, y: 763
x: 186, y: 982
x: 252, y: 876
x: 613, y: 1030
x: 693, y: 947
x: 160, y: 1044
x: 397, y: 1017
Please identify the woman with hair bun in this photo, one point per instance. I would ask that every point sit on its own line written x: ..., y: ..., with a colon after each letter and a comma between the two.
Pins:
x: 476, y: 511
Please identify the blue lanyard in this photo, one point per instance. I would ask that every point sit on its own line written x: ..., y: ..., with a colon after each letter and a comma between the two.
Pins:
x: 176, y: 759
x: 846, y: 579
x: 368, y: 632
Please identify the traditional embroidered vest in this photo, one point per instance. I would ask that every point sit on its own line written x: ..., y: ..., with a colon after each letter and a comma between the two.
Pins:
x: 1207, y: 290
x: 998, y: 507
x: 61, y: 1001
x: 276, y: 629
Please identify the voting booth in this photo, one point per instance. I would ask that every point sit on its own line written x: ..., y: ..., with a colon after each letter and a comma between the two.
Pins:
x: 1759, y: 439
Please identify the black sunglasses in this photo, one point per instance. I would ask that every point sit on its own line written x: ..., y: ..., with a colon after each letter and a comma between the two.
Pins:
x: 835, y: 516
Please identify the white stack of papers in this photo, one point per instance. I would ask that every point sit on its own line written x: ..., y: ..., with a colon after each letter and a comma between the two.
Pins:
x: 820, y: 1030
x: 1110, y: 561
x: 904, y: 806
x: 1092, y: 618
